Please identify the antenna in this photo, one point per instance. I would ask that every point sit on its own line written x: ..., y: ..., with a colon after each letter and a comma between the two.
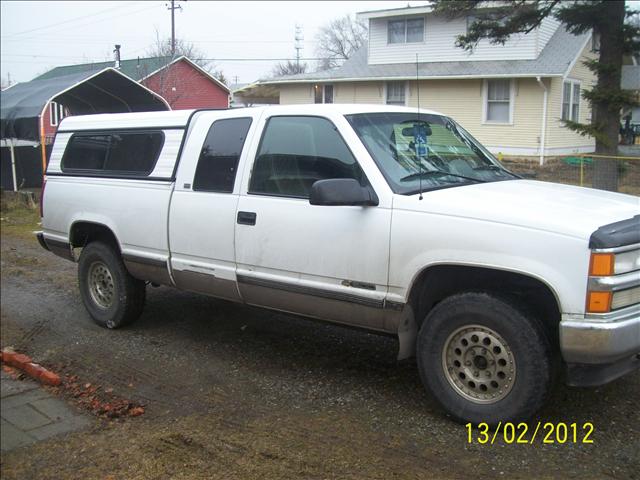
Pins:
x: 417, y: 154
x: 298, y: 44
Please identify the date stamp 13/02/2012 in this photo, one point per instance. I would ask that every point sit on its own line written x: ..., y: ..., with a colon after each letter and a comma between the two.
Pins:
x: 528, y: 434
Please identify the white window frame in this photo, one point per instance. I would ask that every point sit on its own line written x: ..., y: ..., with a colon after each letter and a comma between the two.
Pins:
x: 54, y: 112
x: 405, y: 42
x: 485, y: 101
x: 323, y: 86
x: 572, y: 84
x: 406, y: 92
x: 61, y: 112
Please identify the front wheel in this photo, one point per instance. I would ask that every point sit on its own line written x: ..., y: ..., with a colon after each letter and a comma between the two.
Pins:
x: 484, y: 360
x: 110, y: 294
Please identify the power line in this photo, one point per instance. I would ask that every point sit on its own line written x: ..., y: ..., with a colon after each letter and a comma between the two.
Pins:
x: 70, y: 20
x: 262, y: 59
x: 57, y: 38
x: 206, y: 59
x: 80, y: 18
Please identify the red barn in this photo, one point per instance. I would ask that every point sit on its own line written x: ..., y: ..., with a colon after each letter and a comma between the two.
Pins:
x: 184, y: 85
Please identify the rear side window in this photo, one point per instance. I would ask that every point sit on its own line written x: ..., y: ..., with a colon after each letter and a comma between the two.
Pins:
x: 295, y: 152
x: 124, y: 153
x: 218, y: 162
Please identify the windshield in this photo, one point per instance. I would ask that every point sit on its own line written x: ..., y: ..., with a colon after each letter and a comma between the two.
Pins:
x: 422, y: 150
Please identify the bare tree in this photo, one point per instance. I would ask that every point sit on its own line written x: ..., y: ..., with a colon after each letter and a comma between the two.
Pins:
x: 339, y: 39
x: 162, y: 48
x: 289, y: 68
x: 168, y: 82
x: 4, y: 83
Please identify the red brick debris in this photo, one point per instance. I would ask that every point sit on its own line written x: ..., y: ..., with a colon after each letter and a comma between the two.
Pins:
x: 34, y: 370
x: 101, y: 402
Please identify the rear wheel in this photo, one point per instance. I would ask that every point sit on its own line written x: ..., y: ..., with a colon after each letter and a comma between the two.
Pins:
x: 110, y: 294
x: 483, y: 359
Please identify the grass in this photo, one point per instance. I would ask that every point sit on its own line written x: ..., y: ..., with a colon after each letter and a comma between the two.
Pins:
x: 558, y: 171
x: 17, y: 218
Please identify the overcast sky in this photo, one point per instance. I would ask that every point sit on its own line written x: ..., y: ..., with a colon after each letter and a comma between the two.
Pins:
x: 37, y: 36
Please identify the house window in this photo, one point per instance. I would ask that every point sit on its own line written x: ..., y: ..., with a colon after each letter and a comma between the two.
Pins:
x: 471, y: 19
x: 61, y: 112
x: 396, y: 93
x: 328, y: 94
x: 54, y: 112
x: 323, y: 93
x: 410, y: 30
x: 595, y: 42
x: 498, y: 101
x: 571, y: 101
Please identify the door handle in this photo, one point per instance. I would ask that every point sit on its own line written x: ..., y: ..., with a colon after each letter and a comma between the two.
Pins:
x: 246, y: 218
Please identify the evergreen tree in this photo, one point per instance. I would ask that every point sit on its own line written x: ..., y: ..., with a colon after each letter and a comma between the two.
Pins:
x: 497, y: 21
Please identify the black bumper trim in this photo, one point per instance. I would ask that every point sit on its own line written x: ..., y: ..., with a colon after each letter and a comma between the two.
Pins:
x: 43, y: 244
x: 593, y: 375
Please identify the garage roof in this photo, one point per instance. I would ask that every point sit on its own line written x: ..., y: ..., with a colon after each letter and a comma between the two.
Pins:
x: 105, y: 91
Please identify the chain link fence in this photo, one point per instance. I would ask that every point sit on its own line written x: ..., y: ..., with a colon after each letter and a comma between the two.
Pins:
x: 619, y: 173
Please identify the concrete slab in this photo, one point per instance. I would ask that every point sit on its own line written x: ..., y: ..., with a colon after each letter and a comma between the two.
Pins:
x: 24, y: 398
x: 25, y: 417
x: 9, y: 387
x: 30, y: 414
x: 58, y: 428
x: 53, y: 408
x: 12, y: 437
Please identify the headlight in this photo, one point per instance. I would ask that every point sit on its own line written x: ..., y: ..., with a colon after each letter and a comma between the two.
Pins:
x: 614, y: 280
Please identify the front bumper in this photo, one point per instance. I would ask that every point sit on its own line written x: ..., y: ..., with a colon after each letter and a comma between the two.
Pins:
x: 600, y: 350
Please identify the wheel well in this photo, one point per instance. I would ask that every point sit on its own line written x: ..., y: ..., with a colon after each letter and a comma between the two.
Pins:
x: 83, y: 233
x: 436, y: 283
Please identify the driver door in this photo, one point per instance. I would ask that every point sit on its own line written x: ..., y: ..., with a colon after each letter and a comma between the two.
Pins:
x: 328, y: 262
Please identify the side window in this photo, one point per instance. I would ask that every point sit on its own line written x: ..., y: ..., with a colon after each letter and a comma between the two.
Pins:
x: 218, y: 162
x: 295, y: 152
x: 134, y: 152
x: 126, y: 153
x: 86, y: 152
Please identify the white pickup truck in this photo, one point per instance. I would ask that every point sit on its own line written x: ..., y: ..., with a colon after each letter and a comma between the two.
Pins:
x: 387, y: 218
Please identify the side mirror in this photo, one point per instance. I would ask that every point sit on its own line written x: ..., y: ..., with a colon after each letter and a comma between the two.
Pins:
x: 341, y: 191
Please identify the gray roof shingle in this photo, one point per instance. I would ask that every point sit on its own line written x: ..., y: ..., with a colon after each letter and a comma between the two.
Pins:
x: 561, y: 50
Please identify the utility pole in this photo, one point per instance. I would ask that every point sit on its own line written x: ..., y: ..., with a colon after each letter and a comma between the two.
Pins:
x: 298, y: 44
x: 173, y: 9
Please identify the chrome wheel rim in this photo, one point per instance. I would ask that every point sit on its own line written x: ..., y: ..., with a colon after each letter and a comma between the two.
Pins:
x: 479, y: 364
x: 101, y: 285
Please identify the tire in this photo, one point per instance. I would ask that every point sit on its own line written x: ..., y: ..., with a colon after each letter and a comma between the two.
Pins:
x: 110, y: 294
x: 504, y: 359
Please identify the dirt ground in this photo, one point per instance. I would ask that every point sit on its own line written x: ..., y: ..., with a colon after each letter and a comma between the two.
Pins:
x: 237, y: 392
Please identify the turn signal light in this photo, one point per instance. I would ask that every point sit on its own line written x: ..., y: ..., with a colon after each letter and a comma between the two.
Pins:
x: 601, y: 264
x: 599, y: 302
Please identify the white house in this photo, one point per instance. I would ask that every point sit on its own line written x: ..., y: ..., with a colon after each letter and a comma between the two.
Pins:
x: 512, y: 97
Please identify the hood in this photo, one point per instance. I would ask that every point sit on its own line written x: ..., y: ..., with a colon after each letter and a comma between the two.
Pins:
x: 562, y: 209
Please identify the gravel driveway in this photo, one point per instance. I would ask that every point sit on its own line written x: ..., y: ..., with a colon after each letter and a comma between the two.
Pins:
x: 238, y: 392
